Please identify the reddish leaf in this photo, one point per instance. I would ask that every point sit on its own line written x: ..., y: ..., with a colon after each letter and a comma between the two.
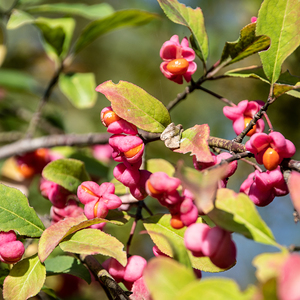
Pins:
x: 194, y: 140
x: 294, y: 184
x: 136, y: 106
x: 203, y: 184
x: 140, y: 290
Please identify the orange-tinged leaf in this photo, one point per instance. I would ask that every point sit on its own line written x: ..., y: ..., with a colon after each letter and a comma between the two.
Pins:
x: 269, y: 265
x: 94, y: 241
x: 194, y: 140
x: 53, y: 235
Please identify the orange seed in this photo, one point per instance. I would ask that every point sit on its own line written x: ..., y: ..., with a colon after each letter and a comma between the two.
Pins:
x: 176, y: 223
x: 132, y: 152
x: 271, y: 159
x: 178, y: 66
x: 246, y: 122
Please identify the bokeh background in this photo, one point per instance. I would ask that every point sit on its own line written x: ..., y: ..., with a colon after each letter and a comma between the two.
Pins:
x: 132, y: 54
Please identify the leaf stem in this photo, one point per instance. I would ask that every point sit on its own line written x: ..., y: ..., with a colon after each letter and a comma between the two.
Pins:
x: 226, y: 101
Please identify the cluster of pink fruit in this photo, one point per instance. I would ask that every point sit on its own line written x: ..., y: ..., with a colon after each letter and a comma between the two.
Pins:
x: 128, y: 150
x: 268, y: 149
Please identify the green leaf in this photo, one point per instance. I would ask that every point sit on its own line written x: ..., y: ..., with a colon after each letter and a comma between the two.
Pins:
x: 213, y: 288
x: 16, y: 214
x: 294, y: 93
x: 54, y: 234
x: 248, y: 72
x: 92, y: 12
x: 17, y: 81
x: 178, y: 250
x: 57, y: 35
x: 269, y: 265
x: 79, y: 88
x: 50, y: 293
x: 191, y: 18
x: 19, y: 18
x: 280, y: 20
x: 269, y: 289
x: 67, y: 172
x: 194, y: 140
x: 119, y: 19
x: 27, y: 2
x: 162, y: 234
x: 120, y: 188
x: 94, y: 241
x: 165, y: 277
x: 67, y: 265
x: 3, y: 49
x: 237, y: 213
x: 25, y: 279
x: 136, y: 106
x: 247, y: 44
x: 3, y: 274
x: 280, y: 89
x: 160, y: 165
x: 286, y: 83
x: 92, y: 165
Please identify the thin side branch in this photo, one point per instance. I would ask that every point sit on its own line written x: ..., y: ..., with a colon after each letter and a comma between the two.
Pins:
x: 226, y: 101
x: 256, y: 117
x: 37, y: 115
x: 29, y: 145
